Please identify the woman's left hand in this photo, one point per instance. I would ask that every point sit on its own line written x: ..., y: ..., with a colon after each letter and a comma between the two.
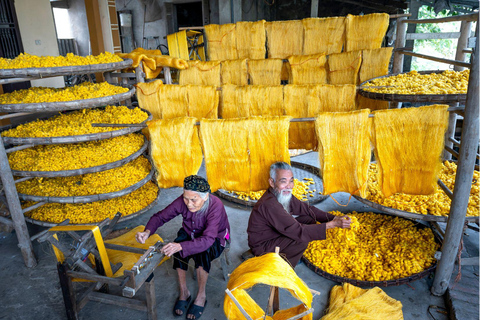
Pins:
x: 170, y: 248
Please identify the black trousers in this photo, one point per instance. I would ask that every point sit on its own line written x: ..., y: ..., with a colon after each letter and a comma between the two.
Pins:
x: 203, y: 259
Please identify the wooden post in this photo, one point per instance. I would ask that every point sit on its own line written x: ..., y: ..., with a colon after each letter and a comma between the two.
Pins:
x: 452, y: 124
x: 150, y: 297
x: 67, y: 292
x: 463, y: 181
x: 465, y: 29
x: 94, y: 21
x: 399, y: 43
x: 16, y: 210
x: 314, y: 9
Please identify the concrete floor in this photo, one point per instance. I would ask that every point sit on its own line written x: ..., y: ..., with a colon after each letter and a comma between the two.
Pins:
x: 35, y: 293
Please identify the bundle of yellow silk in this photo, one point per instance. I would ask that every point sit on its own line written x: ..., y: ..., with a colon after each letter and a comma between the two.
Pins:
x: 234, y: 72
x: 351, y: 303
x: 375, y: 63
x: 148, y: 99
x: 129, y: 259
x: 343, y: 67
x: 238, y: 152
x: 365, y: 32
x: 366, y: 103
x: 344, y: 151
x: 301, y: 135
x: 408, y: 145
x: 221, y: 41
x: 284, y: 38
x: 173, y: 101
x: 202, y: 102
x: 269, y: 269
x: 331, y: 98
x: 206, y: 73
x: 307, y: 69
x: 175, y: 150
x: 323, y: 35
x: 265, y: 71
x: 228, y: 103
x: 251, y: 39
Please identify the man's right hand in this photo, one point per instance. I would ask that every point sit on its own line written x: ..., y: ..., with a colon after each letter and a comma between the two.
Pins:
x: 340, y: 222
x: 141, y: 237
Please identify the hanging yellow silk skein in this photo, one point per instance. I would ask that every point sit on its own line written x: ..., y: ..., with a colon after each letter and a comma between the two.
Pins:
x: 343, y: 67
x: 365, y: 32
x: 331, y: 98
x: 307, y: 69
x: 408, y: 145
x: 284, y: 38
x: 234, y: 72
x: 173, y: 101
x: 205, y: 73
x: 323, y: 35
x: 344, y: 151
x: 269, y: 269
x: 221, y: 41
x: 202, y: 102
x: 265, y: 71
x: 251, y: 38
x: 147, y: 96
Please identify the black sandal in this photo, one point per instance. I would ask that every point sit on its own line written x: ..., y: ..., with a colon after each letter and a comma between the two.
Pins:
x: 196, y: 311
x: 181, y: 305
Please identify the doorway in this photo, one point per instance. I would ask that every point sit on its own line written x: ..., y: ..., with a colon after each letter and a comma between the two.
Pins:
x: 189, y: 14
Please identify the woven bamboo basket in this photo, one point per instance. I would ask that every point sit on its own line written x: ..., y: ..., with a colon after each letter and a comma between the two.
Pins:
x: 64, y: 71
x: 385, y: 283
x: 433, y: 98
x: 67, y: 105
x: 300, y: 171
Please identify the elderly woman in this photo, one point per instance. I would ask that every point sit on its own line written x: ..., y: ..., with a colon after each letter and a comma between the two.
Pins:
x: 204, y: 232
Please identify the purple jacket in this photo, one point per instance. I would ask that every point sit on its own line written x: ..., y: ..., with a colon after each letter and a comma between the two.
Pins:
x: 205, y: 228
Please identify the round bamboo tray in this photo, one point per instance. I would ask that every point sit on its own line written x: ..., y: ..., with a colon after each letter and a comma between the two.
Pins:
x: 64, y: 71
x: 434, y: 98
x: 76, y: 172
x: 408, y: 215
x: 300, y: 171
x: 123, y: 218
x: 75, y: 139
x: 362, y: 283
x: 89, y: 198
x: 66, y: 105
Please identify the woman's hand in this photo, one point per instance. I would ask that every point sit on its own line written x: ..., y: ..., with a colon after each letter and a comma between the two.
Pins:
x: 170, y: 248
x: 141, y: 237
x: 340, y: 222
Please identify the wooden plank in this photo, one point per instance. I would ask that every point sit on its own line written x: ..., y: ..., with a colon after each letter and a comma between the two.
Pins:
x: 429, y: 36
x: 450, y: 133
x: 445, y: 188
x: 464, y: 17
x: 95, y: 277
x: 437, y: 59
x: 124, y: 248
x: 463, y: 182
x: 465, y: 30
x: 150, y: 298
x: 118, y: 301
x: 399, y: 43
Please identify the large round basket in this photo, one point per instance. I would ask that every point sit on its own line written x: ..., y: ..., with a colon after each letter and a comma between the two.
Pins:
x: 67, y: 105
x: 64, y: 71
x: 300, y: 171
x: 89, y: 198
x: 79, y: 138
x: 362, y: 283
x: 123, y: 218
x: 409, y: 215
x: 77, y: 172
x: 434, y: 98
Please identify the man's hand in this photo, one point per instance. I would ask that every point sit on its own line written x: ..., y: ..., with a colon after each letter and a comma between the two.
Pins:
x: 141, y: 237
x: 340, y: 222
x: 171, y: 248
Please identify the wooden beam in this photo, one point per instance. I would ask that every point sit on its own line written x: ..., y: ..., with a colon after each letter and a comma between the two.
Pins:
x: 437, y: 59
x: 465, y: 17
x: 314, y: 9
x: 463, y: 181
x: 429, y: 36
x: 399, y: 43
x: 95, y: 30
x: 465, y: 30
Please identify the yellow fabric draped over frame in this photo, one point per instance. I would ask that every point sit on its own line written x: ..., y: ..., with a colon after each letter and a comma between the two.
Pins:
x: 344, y: 151
x: 301, y: 134
x: 175, y: 150
x: 205, y: 73
x: 307, y: 69
x: 269, y: 269
x: 408, y: 146
x: 351, y: 303
x: 147, y: 96
x: 265, y: 71
x: 234, y: 72
x: 284, y: 38
x: 343, y: 67
x: 365, y: 32
x: 221, y: 41
x: 239, y: 152
x: 323, y: 35
x: 251, y: 38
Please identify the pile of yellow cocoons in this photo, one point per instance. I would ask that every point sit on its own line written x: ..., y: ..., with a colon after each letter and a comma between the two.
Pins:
x: 376, y: 248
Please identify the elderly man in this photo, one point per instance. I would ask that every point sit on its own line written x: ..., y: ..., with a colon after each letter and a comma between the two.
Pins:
x: 203, y: 235
x: 280, y: 220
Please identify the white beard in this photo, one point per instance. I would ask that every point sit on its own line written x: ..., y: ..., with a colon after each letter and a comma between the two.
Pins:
x: 284, y: 199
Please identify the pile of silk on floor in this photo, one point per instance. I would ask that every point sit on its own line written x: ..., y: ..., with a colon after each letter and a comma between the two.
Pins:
x: 175, y: 150
x: 268, y: 269
x: 408, y: 145
x: 238, y: 152
x: 344, y: 150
